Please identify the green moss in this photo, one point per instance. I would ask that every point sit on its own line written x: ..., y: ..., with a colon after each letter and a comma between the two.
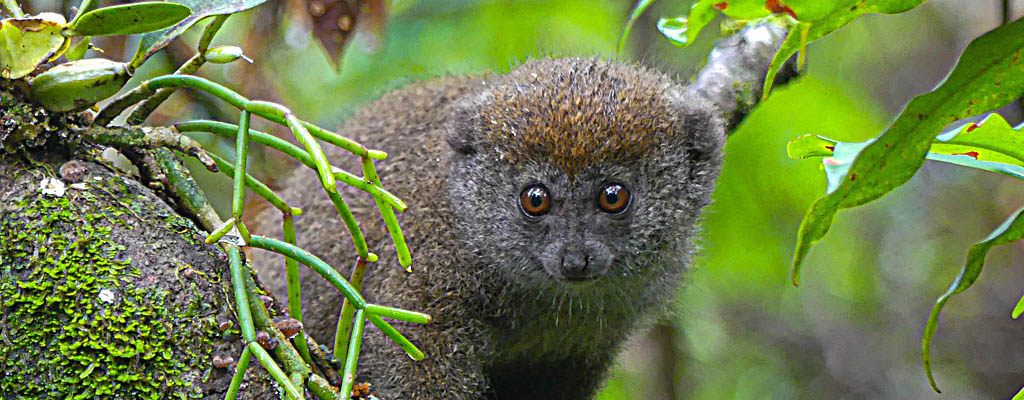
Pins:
x: 74, y: 323
x: 26, y: 125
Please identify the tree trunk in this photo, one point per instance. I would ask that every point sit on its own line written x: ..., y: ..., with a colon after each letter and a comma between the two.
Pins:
x: 105, y: 291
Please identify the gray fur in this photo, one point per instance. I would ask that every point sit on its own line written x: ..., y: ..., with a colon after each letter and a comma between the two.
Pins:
x: 505, y: 326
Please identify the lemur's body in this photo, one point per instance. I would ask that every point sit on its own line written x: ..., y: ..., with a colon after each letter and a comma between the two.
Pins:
x: 552, y: 213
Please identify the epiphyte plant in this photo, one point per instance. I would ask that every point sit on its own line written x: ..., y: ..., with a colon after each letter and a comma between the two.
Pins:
x: 988, y: 76
x: 33, y: 42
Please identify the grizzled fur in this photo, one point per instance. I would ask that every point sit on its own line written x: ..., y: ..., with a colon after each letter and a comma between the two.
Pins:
x: 506, y: 324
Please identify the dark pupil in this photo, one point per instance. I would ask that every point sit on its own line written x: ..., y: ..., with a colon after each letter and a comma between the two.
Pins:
x: 612, y: 197
x: 535, y: 200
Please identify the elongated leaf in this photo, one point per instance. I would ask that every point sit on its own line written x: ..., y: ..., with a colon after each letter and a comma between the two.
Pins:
x: 803, y: 10
x: 808, y: 31
x: 990, y: 74
x: 128, y: 19
x: 1011, y: 230
x: 744, y: 9
x: 25, y: 43
x: 1015, y: 171
x: 154, y: 41
x: 809, y: 146
x: 992, y: 139
x: 839, y: 164
x: 992, y: 143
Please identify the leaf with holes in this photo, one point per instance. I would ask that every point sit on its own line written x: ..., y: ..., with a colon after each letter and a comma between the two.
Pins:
x: 128, y: 19
x: 29, y: 42
x: 1011, y: 230
x: 152, y: 42
x: 989, y: 75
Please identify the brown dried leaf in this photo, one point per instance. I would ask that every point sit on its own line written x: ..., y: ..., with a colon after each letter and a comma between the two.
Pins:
x: 335, y: 23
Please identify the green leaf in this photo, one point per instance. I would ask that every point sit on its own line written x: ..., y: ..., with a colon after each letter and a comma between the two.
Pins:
x: 992, y: 139
x: 78, y: 50
x: 1011, y: 230
x: 808, y: 146
x: 682, y: 31
x: 77, y: 85
x: 809, y: 30
x: 742, y: 9
x: 989, y: 75
x: 1015, y: 171
x: 128, y: 19
x: 28, y: 42
x: 154, y: 41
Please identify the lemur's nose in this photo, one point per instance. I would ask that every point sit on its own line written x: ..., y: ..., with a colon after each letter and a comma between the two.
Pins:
x: 574, y: 264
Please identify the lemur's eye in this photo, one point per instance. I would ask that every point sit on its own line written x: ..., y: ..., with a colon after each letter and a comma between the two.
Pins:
x: 613, y: 198
x: 535, y: 200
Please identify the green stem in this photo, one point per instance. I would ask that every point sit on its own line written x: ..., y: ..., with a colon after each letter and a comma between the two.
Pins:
x: 314, y: 262
x: 293, y: 151
x: 241, y: 303
x: 350, y: 222
x: 139, y: 115
x: 395, y: 336
x: 344, y: 329
x: 241, y: 160
x: 210, y: 31
x: 294, y: 288
x: 236, y: 380
x: 185, y: 190
x: 148, y: 88
x: 221, y: 230
x: 275, y: 371
x: 272, y: 112
x: 260, y: 188
x: 397, y: 313
x: 291, y: 359
x: 148, y: 138
x: 321, y: 388
x: 348, y: 377
x: 388, y: 214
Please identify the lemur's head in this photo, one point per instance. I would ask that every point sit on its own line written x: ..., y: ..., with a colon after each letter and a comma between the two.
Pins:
x: 574, y: 170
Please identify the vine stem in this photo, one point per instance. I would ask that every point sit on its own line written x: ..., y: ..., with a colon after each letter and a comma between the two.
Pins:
x: 344, y: 329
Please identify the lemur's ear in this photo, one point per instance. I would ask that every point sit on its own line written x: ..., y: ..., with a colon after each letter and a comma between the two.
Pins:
x: 460, y: 138
x: 462, y: 133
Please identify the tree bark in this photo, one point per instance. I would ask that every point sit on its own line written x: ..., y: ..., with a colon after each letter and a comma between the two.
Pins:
x: 105, y: 291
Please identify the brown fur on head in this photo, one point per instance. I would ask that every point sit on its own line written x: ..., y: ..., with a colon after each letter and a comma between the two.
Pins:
x: 577, y: 113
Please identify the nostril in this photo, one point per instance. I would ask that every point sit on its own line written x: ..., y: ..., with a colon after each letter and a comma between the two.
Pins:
x: 575, y: 265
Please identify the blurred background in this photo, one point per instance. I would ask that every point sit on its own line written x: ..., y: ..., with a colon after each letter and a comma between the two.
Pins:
x: 742, y: 331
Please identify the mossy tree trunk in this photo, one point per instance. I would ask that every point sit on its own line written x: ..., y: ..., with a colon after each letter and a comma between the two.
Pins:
x: 105, y: 291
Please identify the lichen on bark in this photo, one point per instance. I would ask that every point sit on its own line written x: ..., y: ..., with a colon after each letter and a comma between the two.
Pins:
x: 105, y: 291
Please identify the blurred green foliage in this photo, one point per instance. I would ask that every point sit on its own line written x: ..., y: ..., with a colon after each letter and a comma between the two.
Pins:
x: 852, y: 330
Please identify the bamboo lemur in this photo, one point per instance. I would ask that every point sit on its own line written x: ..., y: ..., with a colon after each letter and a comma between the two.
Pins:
x: 552, y: 213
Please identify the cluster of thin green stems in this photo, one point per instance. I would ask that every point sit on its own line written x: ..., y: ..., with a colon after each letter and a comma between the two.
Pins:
x: 356, y: 311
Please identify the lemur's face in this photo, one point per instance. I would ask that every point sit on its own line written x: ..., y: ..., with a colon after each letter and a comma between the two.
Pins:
x: 573, y: 171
